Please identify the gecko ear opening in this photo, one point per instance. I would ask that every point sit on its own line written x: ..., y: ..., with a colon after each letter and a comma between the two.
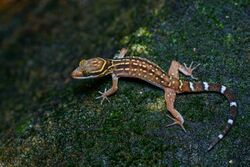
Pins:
x: 82, y: 62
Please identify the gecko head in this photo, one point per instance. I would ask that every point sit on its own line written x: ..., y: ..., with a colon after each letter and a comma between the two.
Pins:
x: 91, y: 68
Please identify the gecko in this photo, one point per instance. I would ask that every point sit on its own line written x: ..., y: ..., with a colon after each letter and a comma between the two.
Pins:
x: 141, y: 68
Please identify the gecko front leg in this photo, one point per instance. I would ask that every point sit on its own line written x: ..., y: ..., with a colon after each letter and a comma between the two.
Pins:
x: 112, y: 90
x: 121, y: 54
x: 170, y: 95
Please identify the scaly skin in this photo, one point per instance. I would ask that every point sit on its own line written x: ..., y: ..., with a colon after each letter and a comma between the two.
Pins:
x: 148, y: 71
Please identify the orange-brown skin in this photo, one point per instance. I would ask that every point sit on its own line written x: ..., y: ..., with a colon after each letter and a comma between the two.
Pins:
x: 152, y: 73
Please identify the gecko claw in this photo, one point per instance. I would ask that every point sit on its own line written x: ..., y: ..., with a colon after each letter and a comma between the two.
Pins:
x: 196, y: 66
x: 183, y: 128
x: 191, y: 64
x: 195, y: 78
x: 185, y: 65
x: 190, y: 69
x: 176, y: 122
x: 103, y: 96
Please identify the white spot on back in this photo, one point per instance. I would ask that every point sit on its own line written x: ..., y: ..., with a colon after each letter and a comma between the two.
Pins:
x: 134, y: 69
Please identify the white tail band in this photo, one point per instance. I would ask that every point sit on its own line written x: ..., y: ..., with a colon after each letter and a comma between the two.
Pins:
x: 233, y: 104
x: 206, y: 86
x: 191, y: 85
x: 223, y: 88
x: 220, y: 136
x: 230, y: 121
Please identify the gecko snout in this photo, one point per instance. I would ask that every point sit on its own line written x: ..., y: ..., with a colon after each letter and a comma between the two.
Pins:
x: 76, y: 74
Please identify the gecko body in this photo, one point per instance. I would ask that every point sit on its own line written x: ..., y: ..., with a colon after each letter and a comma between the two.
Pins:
x: 146, y: 70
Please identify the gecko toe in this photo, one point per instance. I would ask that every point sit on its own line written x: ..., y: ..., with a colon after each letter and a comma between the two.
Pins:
x: 177, y: 122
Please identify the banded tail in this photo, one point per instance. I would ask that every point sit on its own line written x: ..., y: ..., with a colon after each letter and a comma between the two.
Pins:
x: 213, y: 87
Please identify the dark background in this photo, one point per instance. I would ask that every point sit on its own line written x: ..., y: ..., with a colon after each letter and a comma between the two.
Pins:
x: 48, y: 119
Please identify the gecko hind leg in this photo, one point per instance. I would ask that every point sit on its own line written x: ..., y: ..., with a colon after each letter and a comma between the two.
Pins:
x: 170, y: 96
x: 175, y: 67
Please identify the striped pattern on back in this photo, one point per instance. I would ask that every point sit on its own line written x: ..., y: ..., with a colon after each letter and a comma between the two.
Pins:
x: 142, y: 69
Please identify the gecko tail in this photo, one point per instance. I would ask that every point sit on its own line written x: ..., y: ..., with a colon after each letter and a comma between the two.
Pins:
x: 214, y: 87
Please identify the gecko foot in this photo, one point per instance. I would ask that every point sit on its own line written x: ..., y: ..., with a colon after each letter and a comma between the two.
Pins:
x: 103, y: 96
x: 177, y: 122
x: 190, y: 69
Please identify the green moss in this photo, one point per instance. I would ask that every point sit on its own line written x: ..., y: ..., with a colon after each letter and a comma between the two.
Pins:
x: 138, y: 49
x: 23, y: 126
x: 229, y: 39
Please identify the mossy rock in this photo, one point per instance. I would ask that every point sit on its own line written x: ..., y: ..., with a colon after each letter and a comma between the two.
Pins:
x: 48, y: 119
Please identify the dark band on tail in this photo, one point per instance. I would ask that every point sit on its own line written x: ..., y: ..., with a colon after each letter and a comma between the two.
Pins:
x: 204, y: 86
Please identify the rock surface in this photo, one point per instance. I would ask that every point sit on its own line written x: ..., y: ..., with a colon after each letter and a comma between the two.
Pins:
x: 48, y: 119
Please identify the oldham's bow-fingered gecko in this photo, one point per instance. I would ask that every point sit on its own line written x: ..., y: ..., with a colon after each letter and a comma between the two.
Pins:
x: 146, y: 70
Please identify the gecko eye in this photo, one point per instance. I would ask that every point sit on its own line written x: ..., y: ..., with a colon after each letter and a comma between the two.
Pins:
x: 82, y: 62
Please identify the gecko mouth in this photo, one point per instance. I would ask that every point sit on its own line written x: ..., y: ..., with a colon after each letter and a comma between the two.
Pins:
x: 78, y: 75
